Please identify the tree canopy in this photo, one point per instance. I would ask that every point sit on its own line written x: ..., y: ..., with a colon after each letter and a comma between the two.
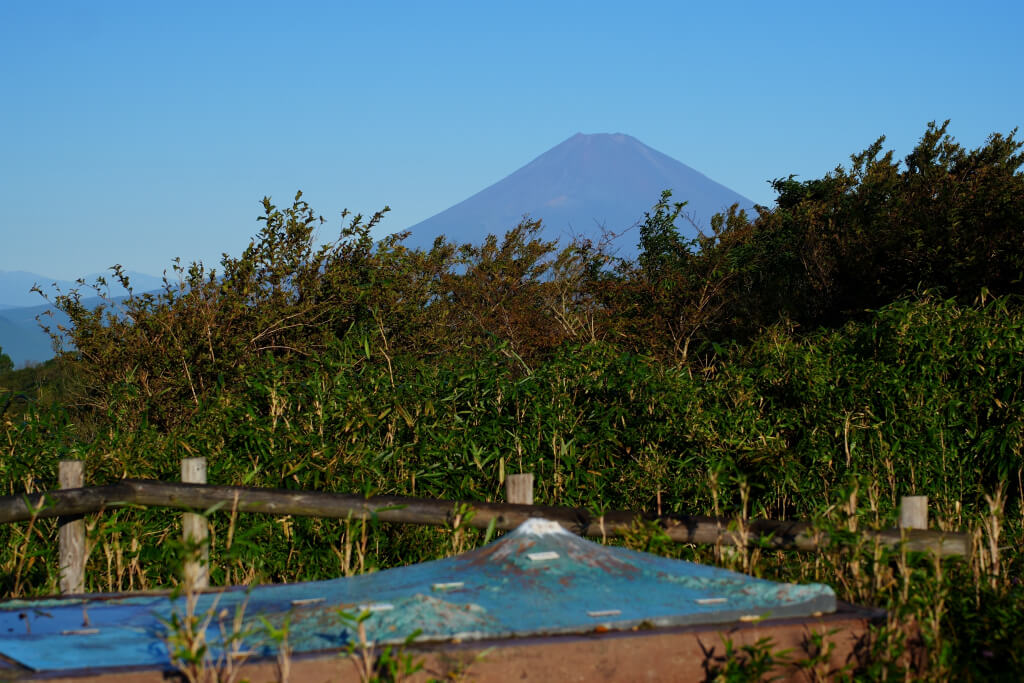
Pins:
x: 945, y: 219
x: 6, y: 364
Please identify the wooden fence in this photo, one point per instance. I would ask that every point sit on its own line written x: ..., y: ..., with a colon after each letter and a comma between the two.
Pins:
x: 193, y: 494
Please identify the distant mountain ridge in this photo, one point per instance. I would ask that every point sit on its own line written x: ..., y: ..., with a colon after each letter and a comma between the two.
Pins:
x: 579, y: 186
x: 16, y: 286
x: 23, y: 340
x: 21, y: 337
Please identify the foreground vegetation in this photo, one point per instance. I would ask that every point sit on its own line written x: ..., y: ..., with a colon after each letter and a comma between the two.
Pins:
x: 861, y: 341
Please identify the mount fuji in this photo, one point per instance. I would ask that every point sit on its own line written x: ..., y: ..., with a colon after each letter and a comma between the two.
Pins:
x: 578, y: 187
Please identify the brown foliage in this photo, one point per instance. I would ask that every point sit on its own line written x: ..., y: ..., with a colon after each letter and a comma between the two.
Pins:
x: 856, y: 239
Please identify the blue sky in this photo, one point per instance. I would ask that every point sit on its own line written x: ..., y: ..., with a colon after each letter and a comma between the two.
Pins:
x: 133, y: 132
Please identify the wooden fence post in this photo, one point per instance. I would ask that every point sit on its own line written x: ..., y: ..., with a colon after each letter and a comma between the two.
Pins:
x: 519, y: 489
x: 71, y: 533
x: 194, y: 530
x: 914, y: 512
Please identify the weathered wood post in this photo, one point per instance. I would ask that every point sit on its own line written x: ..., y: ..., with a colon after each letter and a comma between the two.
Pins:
x: 914, y: 512
x: 71, y: 533
x: 519, y: 489
x: 194, y: 530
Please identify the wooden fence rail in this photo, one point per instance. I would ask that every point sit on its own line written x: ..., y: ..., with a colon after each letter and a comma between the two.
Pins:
x: 70, y: 503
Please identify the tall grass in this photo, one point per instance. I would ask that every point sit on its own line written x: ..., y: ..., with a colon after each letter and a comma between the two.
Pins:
x: 835, y: 426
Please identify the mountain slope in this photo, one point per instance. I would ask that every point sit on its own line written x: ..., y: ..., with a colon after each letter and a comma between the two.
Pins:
x: 23, y: 343
x: 578, y: 187
x: 21, y: 336
x: 16, y: 285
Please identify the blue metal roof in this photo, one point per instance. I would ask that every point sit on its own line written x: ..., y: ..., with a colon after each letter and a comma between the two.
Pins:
x: 538, y: 579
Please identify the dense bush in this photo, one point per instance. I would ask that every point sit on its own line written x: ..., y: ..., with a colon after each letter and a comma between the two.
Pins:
x: 947, y: 219
x: 861, y: 341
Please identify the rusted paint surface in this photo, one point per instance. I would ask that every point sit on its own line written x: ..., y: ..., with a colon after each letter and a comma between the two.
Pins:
x: 681, y: 654
x: 537, y: 580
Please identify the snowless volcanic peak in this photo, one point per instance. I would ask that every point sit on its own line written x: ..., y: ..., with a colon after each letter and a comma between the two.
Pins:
x: 536, y: 580
x: 578, y: 187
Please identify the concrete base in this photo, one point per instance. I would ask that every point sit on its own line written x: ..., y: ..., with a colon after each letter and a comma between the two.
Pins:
x: 664, y: 654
